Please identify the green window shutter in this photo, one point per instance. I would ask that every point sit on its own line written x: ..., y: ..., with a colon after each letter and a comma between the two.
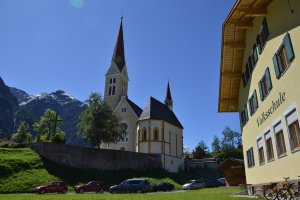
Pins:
x: 250, y: 64
x: 289, y: 48
x: 276, y: 66
x: 252, y: 157
x: 268, y: 78
x: 260, y: 91
x: 258, y: 44
x: 254, y: 55
x: 246, y: 113
x: 255, y: 100
x: 250, y: 102
x: 265, y: 29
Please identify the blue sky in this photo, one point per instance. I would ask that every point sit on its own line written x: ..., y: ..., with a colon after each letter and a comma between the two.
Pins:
x: 46, y: 45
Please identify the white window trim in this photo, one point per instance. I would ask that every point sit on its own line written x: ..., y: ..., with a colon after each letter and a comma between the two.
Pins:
x: 292, y: 107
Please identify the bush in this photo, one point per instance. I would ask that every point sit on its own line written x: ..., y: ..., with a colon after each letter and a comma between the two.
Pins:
x: 59, y: 138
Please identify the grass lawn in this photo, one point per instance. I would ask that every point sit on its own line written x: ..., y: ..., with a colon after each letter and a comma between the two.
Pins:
x: 205, y: 194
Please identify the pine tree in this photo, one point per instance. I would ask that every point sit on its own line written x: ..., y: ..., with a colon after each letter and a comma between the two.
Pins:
x: 22, y: 135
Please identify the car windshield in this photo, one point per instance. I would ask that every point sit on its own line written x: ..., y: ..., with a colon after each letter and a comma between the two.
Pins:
x: 124, y: 183
x: 189, y: 182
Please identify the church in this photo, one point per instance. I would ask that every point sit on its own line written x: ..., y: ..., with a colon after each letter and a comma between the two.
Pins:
x: 154, y: 129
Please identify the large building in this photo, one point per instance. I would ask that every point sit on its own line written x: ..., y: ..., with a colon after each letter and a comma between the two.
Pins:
x: 155, y: 129
x: 259, y: 78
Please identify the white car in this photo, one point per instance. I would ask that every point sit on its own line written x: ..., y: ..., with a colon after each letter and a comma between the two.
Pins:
x: 194, y: 184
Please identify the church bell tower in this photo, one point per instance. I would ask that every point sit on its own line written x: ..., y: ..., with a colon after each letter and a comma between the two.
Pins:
x: 116, y: 78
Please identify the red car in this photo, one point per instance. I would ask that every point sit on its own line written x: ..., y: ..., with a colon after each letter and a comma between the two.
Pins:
x: 56, y: 186
x: 92, y: 186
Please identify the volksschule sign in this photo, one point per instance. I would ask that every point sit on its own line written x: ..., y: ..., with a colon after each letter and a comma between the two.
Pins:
x: 275, y: 104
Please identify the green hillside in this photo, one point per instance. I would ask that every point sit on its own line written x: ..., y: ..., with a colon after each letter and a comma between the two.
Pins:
x: 22, y: 168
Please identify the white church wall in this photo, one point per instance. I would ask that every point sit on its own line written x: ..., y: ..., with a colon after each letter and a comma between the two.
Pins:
x: 156, y: 147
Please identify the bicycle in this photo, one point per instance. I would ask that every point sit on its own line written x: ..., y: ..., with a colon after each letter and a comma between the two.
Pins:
x: 287, y: 190
x: 270, y: 191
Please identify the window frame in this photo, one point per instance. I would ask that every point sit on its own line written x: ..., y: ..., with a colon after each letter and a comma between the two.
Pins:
x: 286, y: 45
x: 261, y: 153
x: 250, y: 158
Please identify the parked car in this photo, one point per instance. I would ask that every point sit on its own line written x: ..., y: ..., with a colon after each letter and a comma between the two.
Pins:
x: 212, y: 183
x: 56, y: 186
x: 92, y: 186
x: 194, y: 184
x: 222, y: 181
x: 131, y: 185
x: 162, y: 187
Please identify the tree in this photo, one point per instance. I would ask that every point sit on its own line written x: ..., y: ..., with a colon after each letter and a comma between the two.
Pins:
x: 48, y: 127
x: 22, y: 135
x: 231, y: 144
x: 97, y: 124
x: 201, y: 151
x: 216, y: 146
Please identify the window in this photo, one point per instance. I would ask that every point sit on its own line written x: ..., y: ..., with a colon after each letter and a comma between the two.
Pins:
x: 113, y: 90
x: 281, y: 149
x: 246, y: 75
x: 109, y: 91
x: 123, y: 109
x: 262, y: 36
x: 253, y: 58
x: 144, y: 134
x: 244, y: 116
x: 124, y: 125
x: 284, y: 56
x: 253, y: 104
x: 293, y: 128
x: 155, y: 134
x: 269, y: 146
x: 110, y: 81
x: 250, y: 158
x: 114, y: 80
x: 265, y: 85
x: 261, y: 154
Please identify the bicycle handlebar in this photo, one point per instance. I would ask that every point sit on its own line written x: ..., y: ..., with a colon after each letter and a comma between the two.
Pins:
x: 286, y: 178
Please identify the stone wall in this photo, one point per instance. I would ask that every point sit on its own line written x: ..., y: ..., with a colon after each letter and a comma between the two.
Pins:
x: 91, y: 158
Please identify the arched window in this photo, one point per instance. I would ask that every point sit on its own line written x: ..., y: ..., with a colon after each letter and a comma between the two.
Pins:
x: 144, y: 134
x: 114, y: 90
x: 109, y: 92
x: 155, y: 134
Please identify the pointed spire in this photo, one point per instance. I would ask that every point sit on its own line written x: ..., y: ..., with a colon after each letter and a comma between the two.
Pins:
x: 168, y: 100
x: 119, y: 55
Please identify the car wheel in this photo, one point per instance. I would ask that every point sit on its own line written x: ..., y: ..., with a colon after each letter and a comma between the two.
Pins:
x: 64, y: 191
x: 81, y: 191
x: 139, y: 191
x: 42, y: 192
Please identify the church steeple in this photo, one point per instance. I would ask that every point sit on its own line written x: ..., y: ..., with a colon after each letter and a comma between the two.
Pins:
x: 168, y: 99
x: 119, y: 55
x: 116, y: 77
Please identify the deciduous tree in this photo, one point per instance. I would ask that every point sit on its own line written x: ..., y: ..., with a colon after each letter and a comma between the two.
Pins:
x: 97, y: 124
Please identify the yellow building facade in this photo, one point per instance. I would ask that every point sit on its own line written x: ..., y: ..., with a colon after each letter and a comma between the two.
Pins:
x: 260, y: 79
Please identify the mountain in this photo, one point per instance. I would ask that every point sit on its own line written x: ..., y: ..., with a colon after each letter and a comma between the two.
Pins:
x: 67, y: 107
x: 8, y: 104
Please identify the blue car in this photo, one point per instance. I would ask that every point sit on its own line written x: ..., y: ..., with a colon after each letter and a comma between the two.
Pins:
x: 131, y: 186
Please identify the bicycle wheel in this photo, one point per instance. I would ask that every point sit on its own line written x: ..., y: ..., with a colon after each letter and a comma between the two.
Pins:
x: 284, y: 194
x: 269, y: 194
